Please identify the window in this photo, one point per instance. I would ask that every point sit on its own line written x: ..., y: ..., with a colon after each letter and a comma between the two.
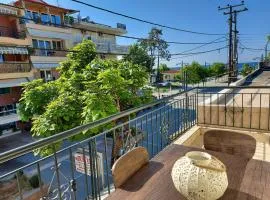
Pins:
x: 45, y: 19
x: 100, y: 34
x: 35, y: 43
x: 1, y: 58
x: 46, y: 75
x: 7, y: 109
x: 41, y: 46
x: 57, y: 45
x: 4, y: 90
x: 56, y: 19
x: 28, y: 15
x: 36, y: 17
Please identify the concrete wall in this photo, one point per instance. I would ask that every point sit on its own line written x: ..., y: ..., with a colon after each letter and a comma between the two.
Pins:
x: 246, y: 117
x: 262, y: 141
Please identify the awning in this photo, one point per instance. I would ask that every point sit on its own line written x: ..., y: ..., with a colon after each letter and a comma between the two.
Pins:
x: 45, y: 65
x: 49, y: 34
x: 9, y: 119
x: 14, y: 82
x: 13, y: 50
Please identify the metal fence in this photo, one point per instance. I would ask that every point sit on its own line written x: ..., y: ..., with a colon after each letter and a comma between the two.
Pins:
x: 81, y: 169
x: 242, y: 107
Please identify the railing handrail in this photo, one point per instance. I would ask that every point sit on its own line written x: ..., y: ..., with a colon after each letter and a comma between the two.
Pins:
x: 22, y: 150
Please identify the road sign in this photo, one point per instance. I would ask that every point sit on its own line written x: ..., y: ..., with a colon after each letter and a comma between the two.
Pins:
x: 80, y: 166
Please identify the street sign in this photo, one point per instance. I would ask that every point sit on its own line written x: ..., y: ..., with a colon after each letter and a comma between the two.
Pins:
x: 80, y: 167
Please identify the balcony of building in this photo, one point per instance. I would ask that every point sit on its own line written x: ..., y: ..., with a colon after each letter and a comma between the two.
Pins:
x: 111, y: 48
x: 9, y: 35
x: 89, y: 25
x: 14, y: 63
x: 6, y: 9
x: 167, y: 129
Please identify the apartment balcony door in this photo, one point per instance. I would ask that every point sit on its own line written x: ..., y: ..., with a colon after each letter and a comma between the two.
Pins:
x: 43, y: 46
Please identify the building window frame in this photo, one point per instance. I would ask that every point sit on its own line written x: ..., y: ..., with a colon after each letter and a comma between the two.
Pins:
x: 46, y: 74
x: 6, y: 90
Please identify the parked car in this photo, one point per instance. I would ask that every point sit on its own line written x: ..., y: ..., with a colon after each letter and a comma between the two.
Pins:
x: 164, y: 84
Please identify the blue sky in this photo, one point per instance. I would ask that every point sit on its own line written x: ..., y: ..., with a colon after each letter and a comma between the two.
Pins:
x: 196, y: 15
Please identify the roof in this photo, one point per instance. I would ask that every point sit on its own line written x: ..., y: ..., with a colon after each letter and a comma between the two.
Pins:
x: 41, y: 2
x: 171, y: 72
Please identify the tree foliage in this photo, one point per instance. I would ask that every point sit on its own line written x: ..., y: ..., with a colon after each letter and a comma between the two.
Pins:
x: 139, y: 55
x: 163, y: 67
x: 217, y: 69
x: 156, y: 46
x: 88, y: 89
x: 195, y: 73
x: 246, y: 69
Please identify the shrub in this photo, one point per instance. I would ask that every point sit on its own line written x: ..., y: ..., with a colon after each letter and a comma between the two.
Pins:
x: 34, y: 182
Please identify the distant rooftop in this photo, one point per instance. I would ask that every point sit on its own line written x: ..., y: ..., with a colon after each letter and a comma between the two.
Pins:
x: 172, y: 71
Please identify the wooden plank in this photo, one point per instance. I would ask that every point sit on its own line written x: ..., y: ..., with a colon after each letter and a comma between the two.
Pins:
x: 266, y: 174
x: 154, y: 182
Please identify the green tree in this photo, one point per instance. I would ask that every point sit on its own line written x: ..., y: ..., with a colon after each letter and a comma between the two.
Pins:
x: 217, y: 69
x: 247, y: 69
x: 195, y: 73
x: 88, y: 89
x: 156, y: 46
x: 163, y: 67
x: 138, y: 55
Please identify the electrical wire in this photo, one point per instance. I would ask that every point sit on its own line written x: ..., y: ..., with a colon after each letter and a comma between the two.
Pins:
x: 211, y: 42
x: 197, y: 53
x: 144, y: 21
x: 111, y: 34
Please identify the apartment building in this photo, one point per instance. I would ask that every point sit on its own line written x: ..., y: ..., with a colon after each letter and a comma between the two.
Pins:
x: 15, y: 66
x: 34, y: 38
x: 49, y: 38
x: 102, y: 35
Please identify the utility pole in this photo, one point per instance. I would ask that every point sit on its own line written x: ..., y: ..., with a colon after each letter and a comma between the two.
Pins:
x: 233, y: 39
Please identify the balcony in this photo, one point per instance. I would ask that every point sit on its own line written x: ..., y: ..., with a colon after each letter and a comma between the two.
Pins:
x: 14, y: 67
x: 112, y: 48
x: 8, y: 36
x: 170, y: 126
x: 8, y: 10
x: 49, y: 52
x: 14, y: 70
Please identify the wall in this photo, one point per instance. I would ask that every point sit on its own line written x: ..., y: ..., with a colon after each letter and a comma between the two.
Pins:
x: 168, y: 77
x: 262, y: 141
x: 12, y: 97
x: 16, y: 75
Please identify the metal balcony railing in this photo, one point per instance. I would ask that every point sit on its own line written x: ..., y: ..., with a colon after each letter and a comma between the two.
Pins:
x: 16, y: 67
x: 49, y: 52
x: 111, y: 48
x: 82, y: 169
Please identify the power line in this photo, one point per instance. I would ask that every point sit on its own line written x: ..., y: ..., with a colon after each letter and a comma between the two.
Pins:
x: 198, y: 47
x: 116, y: 35
x: 197, y: 53
x: 144, y: 21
